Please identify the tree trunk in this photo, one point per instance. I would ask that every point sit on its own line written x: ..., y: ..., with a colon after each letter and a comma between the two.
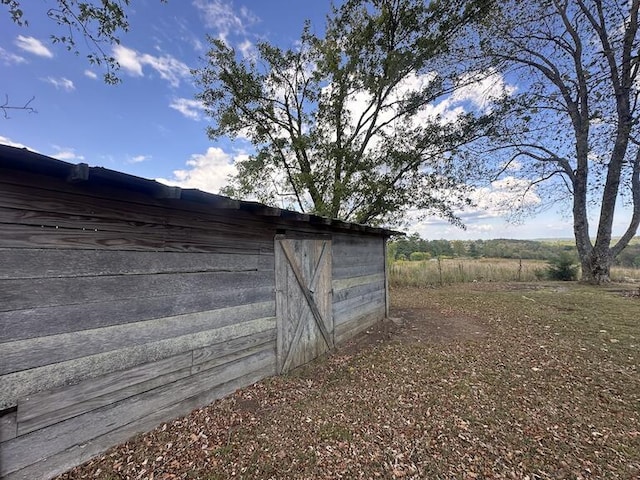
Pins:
x: 596, y: 267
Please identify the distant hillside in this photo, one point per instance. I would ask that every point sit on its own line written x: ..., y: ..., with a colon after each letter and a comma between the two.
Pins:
x: 415, y: 248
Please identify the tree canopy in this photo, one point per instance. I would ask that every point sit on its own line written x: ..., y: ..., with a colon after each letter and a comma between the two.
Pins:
x: 343, y: 124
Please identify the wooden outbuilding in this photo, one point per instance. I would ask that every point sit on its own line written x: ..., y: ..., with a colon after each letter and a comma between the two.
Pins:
x: 125, y: 303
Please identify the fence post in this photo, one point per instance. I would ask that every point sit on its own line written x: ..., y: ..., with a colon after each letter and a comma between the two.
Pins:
x: 520, y: 269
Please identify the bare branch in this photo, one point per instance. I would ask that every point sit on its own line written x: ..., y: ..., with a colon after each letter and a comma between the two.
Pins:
x: 6, y: 107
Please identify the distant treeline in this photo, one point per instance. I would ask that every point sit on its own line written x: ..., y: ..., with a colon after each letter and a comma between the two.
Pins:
x: 413, y: 247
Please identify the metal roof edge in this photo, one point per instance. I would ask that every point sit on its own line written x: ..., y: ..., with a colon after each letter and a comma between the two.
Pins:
x: 26, y: 160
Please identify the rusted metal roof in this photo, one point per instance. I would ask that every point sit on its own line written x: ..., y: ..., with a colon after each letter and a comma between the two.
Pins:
x: 22, y: 159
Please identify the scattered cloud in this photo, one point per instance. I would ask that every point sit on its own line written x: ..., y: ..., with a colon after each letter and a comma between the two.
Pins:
x: 208, y: 172
x: 61, y: 83
x: 189, y: 108
x: 481, y: 89
x: 220, y: 16
x: 505, y: 196
x: 198, y: 46
x: 247, y: 49
x: 33, y: 45
x: 128, y: 60
x: 90, y: 74
x: 168, y: 67
x: 11, y: 143
x: 139, y: 158
x: 8, y: 58
x: 491, y: 217
x: 65, y: 153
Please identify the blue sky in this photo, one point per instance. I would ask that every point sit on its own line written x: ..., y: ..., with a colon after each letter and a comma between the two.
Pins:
x: 149, y: 125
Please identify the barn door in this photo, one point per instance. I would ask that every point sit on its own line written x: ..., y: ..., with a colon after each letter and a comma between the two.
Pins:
x: 303, y: 300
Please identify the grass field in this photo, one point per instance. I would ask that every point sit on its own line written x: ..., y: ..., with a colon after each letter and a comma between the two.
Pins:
x: 472, y: 381
x: 464, y: 270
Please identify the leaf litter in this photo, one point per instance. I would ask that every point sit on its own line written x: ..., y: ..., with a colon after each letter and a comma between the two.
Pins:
x: 466, y: 382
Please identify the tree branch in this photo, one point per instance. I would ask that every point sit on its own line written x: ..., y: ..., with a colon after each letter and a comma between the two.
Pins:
x: 6, y: 106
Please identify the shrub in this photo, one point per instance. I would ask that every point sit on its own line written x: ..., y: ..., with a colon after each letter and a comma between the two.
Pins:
x: 563, y: 267
x: 418, y: 256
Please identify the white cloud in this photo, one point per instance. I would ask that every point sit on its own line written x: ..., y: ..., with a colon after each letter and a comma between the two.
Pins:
x: 128, y: 60
x: 198, y: 46
x: 139, y: 158
x: 11, y: 143
x: 208, y: 171
x: 168, y: 67
x: 505, y: 196
x: 65, y: 153
x: 33, y: 45
x: 187, y: 107
x: 476, y: 92
x: 61, y: 83
x: 247, y: 49
x: 90, y: 74
x: 481, y: 89
x: 9, y: 58
x: 220, y: 16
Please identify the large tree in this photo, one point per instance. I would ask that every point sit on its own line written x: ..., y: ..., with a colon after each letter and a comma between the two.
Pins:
x: 343, y: 124
x: 573, y: 128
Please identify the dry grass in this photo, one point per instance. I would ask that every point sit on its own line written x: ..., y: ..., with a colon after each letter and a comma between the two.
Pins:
x: 468, y: 270
x: 549, y: 390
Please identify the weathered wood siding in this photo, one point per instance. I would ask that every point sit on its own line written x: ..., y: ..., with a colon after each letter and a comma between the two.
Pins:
x: 120, y: 310
x: 117, y: 315
x: 359, y: 292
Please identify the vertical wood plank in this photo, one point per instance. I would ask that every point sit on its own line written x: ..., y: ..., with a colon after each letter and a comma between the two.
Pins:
x: 304, y: 310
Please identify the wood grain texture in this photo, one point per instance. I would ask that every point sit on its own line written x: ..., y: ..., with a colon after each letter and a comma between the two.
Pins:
x: 356, y: 245
x: 357, y: 324
x: 45, y: 408
x: 23, y: 294
x: 303, y: 304
x: 120, y: 309
x: 82, y: 451
x: 358, y: 291
x: 8, y: 426
x: 358, y: 258
x: 387, y: 304
x: 351, y: 282
x: 48, y: 263
x: 214, y: 355
x: 340, y: 271
x: 27, y: 449
x: 141, y: 239
x: 58, y: 197
x: 37, y: 322
x: 107, y: 204
x: 353, y: 308
x: 26, y: 354
x: 26, y: 382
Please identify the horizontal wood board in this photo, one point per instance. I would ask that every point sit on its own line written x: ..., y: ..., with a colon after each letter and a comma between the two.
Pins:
x: 358, y: 283
x: 27, y: 449
x: 118, y: 312
x: 33, y: 263
x: 23, y: 383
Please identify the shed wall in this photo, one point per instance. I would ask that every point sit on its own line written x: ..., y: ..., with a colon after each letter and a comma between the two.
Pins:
x: 117, y: 315
x: 359, y: 291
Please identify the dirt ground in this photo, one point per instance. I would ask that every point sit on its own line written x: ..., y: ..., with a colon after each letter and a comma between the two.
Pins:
x: 417, y: 325
x: 472, y: 381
